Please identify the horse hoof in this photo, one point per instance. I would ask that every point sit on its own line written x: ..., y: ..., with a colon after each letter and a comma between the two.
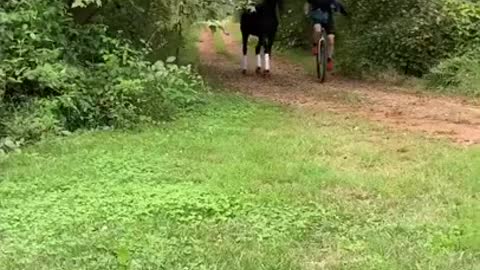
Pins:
x: 266, y: 73
x: 258, y: 70
x: 244, y: 72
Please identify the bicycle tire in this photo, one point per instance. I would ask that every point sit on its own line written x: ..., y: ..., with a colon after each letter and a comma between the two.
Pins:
x: 321, y: 58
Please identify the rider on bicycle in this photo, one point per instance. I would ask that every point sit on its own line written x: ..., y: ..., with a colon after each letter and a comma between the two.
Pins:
x: 321, y: 13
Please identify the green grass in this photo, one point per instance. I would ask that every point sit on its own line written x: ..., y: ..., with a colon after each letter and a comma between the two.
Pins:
x: 241, y: 185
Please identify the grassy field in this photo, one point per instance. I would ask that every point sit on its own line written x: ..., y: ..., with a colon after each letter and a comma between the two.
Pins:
x: 241, y: 185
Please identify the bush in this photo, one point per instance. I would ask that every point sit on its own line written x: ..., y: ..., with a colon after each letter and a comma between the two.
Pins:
x: 163, y: 23
x: 459, y: 74
x: 3, y: 112
x: 123, y: 96
x: 410, y: 36
x: 33, y: 120
x: 294, y: 30
x: 56, y: 75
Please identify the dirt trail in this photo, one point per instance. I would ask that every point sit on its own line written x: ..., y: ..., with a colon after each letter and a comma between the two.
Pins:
x: 451, y: 118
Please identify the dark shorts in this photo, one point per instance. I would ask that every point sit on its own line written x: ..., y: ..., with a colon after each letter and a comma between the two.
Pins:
x: 325, y: 19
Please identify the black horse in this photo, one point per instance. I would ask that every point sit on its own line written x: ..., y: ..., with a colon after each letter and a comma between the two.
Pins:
x: 263, y: 23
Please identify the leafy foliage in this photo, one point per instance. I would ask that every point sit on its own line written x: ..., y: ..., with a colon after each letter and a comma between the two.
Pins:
x: 162, y: 23
x: 410, y: 36
x: 57, y: 75
x: 460, y: 74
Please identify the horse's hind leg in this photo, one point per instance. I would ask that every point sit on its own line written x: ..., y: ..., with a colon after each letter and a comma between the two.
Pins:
x: 258, y: 50
x: 268, y: 52
x: 268, y: 49
x: 245, y: 49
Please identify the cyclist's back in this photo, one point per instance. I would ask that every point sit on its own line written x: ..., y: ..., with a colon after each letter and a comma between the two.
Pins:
x: 323, y: 5
x: 321, y: 14
x: 327, y: 6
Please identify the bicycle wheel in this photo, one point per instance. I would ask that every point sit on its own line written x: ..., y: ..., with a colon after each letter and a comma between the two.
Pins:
x: 322, y: 58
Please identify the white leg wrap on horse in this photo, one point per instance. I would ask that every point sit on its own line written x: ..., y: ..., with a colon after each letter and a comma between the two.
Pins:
x: 267, y: 61
x: 259, y: 60
x: 245, y: 62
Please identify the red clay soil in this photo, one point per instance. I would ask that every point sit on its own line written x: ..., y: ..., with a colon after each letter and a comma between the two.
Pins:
x: 395, y: 107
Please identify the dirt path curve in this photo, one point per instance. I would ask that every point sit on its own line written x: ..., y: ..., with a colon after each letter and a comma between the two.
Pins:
x: 451, y: 118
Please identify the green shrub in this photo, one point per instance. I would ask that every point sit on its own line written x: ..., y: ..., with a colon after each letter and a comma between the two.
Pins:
x: 163, y: 23
x: 123, y: 96
x: 294, y: 30
x: 35, y: 119
x: 459, y: 74
x: 56, y: 75
x: 410, y: 36
x: 3, y: 112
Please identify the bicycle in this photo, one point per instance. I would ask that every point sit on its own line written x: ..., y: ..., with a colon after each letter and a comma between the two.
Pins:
x: 321, y: 18
x: 322, y: 53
